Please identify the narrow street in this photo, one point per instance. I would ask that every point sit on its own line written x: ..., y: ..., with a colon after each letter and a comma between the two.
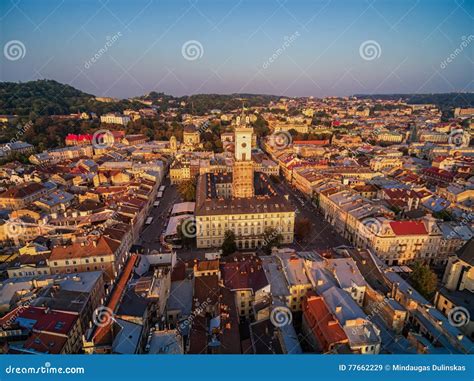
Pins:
x: 150, y: 234
x: 322, y: 235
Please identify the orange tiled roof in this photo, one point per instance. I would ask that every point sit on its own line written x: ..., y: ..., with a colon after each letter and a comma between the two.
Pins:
x: 103, y: 333
x: 22, y: 191
x: 320, y: 319
x: 103, y: 246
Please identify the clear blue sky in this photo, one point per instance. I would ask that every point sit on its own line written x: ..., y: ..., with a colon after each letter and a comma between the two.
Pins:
x: 322, y: 56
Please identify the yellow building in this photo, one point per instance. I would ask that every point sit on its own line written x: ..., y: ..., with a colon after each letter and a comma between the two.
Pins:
x: 242, y: 181
x: 20, y: 196
x: 251, y: 210
x: 301, y: 128
x: 180, y: 171
x: 191, y: 137
x: 381, y: 163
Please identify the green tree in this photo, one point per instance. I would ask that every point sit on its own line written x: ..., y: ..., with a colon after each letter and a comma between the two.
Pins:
x: 187, y: 189
x: 229, y: 246
x: 260, y: 127
x: 423, y: 279
x: 271, y: 238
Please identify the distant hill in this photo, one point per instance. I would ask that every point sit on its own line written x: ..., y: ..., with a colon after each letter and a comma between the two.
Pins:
x: 48, y: 97
x: 446, y: 102
x: 202, y: 103
x: 43, y: 97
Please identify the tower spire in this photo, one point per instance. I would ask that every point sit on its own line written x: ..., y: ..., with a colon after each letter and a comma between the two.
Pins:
x: 242, y: 176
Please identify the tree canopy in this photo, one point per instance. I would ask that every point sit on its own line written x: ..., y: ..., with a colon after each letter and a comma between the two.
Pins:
x: 229, y: 246
x: 423, y: 279
x: 187, y: 190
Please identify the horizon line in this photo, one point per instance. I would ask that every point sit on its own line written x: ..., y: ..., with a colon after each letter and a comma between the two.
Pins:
x: 251, y: 94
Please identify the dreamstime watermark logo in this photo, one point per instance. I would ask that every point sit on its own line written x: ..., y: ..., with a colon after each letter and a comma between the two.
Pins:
x: 281, y: 139
x: 103, y: 139
x: 21, y: 130
x: 466, y: 219
x: 281, y: 316
x: 203, y: 127
x: 102, y: 316
x: 371, y: 225
x: 14, y: 228
x: 459, y: 138
x: 198, y: 311
x: 459, y: 317
x: 286, y: 44
x: 374, y: 310
x: 464, y: 44
x: 370, y: 50
x: 268, y: 239
x: 192, y: 50
x: 45, y: 369
x: 108, y: 44
x: 190, y: 227
x: 14, y: 50
x: 12, y: 318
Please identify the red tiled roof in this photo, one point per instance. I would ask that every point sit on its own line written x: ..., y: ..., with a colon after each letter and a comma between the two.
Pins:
x: 321, y: 321
x: 45, y: 343
x: 22, y: 191
x: 103, y: 246
x: 208, y: 265
x: 84, y: 137
x: 439, y: 159
x: 103, y: 332
x: 53, y: 321
x: 395, y: 193
x: 206, y: 287
x: 408, y: 227
x: 438, y: 172
x: 311, y: 142
x: 244, y: 273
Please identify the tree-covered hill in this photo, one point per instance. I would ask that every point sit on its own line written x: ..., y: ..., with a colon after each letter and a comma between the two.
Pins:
x: 43, y: 97
x: 202, y: 103
x: 48, y: 97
